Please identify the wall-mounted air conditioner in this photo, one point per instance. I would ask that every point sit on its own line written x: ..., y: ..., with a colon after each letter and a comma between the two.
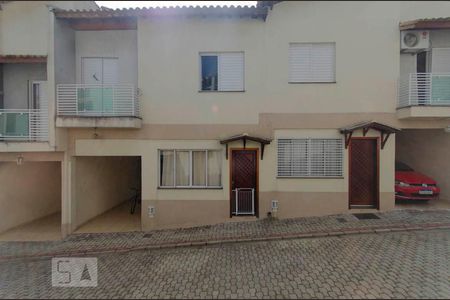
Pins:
x: 414, y: 40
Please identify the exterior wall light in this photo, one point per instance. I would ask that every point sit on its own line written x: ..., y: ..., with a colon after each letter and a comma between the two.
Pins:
x: 19, y: 160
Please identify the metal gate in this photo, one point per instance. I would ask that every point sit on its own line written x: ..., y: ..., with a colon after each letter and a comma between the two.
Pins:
x: 243, y: 201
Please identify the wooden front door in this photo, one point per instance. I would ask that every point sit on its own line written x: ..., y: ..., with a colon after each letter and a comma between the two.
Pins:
x: 363, y: 190
x: 244, y: 182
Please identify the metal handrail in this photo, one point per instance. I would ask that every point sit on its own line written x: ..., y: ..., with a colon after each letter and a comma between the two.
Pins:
x: 424, y: 89
x: 97, y: 100
x: 33, y: 127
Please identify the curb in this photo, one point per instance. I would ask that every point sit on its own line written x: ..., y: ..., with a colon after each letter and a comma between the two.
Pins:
x: 244, y: 239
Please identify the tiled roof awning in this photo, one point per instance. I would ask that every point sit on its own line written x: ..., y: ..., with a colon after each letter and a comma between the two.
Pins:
x: 385, y: 131
x: 267, y: 3
x: 184, y: 11
x: 16, y: 59
x: 244, y: 138
x: 434, y: 23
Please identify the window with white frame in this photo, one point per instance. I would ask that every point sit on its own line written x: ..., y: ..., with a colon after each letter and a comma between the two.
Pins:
x: 222, y: 71
x: 312, y: 62
x: 190, y: 168
x: 310, y: 157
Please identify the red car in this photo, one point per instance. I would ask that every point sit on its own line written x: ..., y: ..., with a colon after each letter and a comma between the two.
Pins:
x: 412, y: 185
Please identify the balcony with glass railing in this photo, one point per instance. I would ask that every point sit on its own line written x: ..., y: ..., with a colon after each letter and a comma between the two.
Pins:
x: 24, y: 125
x: 424, y: 95
x: 97, y: 105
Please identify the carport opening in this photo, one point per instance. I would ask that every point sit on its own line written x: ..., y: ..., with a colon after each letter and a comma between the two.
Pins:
x: 426, y: 152
x: 108, y: 194
x: 30, y: 201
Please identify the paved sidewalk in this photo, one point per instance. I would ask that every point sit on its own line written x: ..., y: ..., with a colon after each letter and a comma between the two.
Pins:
x: 266, y: 229
x: 398, y: 265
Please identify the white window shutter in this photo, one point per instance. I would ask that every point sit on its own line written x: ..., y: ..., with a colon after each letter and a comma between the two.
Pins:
x: 231, y: 71
x: 310, y: 157
x: 284, y: 157
x: 300, y: 62
x: 322, y: 62
x: 440, y: 60
x: 312, y: 62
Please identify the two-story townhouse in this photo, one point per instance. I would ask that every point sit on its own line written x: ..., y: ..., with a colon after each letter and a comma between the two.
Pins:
x: 286, y: 109
x: 27, y: 112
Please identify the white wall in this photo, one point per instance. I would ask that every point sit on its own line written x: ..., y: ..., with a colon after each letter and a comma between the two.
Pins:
x: 64, y: 53
x: 17, y: 78
x: 28, y: 192
x: 367, y: 67
x: 103, y: 183
x: 109, y: 43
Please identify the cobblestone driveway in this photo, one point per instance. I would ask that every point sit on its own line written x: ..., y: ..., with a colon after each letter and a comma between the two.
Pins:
x: 413, y: 264
x: 222, y: 232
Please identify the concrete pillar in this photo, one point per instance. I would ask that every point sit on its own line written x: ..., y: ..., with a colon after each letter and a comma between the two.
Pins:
x: 148, y: 194
x: 68, y: 209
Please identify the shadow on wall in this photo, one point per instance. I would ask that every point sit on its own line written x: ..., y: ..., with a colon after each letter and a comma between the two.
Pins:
x: 103, y: 183
x: 427, y: 151
x: 28, y: 192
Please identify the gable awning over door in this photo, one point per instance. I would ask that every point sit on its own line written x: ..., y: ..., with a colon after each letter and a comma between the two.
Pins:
x: 384, y: 129
x: 244, y: 138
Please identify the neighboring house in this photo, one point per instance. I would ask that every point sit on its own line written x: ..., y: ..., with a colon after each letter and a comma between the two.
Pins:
x: 288, y: 108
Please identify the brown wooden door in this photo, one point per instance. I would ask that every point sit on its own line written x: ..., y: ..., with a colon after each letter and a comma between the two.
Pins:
x: 244, y: 182
x: 363, y: 173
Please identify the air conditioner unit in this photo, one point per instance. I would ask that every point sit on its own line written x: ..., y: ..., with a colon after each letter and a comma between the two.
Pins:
x: 414, y: 40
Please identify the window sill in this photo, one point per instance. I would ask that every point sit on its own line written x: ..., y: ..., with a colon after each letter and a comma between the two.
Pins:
x: 189, y: 188
x: 312, y: 82
x: 307, y: 177
x: 243, y: 91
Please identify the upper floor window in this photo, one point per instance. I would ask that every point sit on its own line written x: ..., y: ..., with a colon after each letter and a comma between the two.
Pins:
x: 312, y: 62
x: 222, y: 71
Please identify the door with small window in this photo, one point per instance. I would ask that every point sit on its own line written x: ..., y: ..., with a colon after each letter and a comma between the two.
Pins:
x: 244, y: 182
x: 364, y: 173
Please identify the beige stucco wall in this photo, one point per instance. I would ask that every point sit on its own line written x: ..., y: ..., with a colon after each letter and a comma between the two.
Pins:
x: 187, y: 207
x: 64, y: 48
x: 18, y: 36
x: 367, y: 61
x: 28, y: 192
x: 102, y: 183
x: 176, y: 115
x: 27, y: 28
x: 428, y: 152
x: 24, y: 25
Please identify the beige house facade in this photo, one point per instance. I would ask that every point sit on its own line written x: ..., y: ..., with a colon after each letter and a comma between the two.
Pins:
x: 286, y: 109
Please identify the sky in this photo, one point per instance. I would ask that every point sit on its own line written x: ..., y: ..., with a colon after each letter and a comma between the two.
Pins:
x: 132, y: 4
